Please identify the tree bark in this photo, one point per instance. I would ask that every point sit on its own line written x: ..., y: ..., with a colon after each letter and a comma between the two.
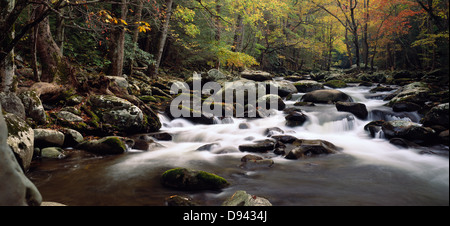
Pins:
x: 162, y: 40
x: 136, y: 32
x: 116, y: 52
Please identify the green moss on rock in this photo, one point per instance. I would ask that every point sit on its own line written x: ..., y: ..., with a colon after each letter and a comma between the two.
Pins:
x: 189, y: 179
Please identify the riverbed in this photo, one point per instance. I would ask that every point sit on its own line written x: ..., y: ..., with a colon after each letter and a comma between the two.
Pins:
x: 367, y: 171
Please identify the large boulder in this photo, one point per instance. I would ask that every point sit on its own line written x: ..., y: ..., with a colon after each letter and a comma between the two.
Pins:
x: 15, y: 188
x: 269, y: 100
x: 283, y: 88
x: 358, y: 109
x: 242, y: 198
x: 190, y: 179
x: 295, y: 118
x: 408, y: 130
x: 326, y: 96
x: 417, y: 92
x: 118, y: 113
x: 20, y: 139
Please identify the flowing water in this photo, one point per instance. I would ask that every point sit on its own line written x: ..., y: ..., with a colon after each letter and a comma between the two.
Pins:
x: 368, y: 171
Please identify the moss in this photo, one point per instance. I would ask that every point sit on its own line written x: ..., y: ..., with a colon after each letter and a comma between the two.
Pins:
x: 188, y: 179
x: 115, y: 142
x: 336, y: 84
x: 15, y: 125
x: 148, y: 98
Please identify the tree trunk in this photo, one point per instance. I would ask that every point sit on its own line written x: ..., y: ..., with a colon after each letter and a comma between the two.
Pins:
x: 238, y: 35
x: 7, y: 63
x: 116, y: 53
x: 354, y: 29
x: 365, y: 35
x: 162, y: 40
x: 47, y: 50
x: 136, y: 32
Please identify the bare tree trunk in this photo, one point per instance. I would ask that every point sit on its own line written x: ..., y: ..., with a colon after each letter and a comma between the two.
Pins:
x: 353, y: 5
x: 7, y: 64
x: 136, y: 32
x: 116, y: 53
x: 47, y: 50
x: 238, y: 34
x: 349, y: 49
x: 162, y: 40
x: 365, y: 34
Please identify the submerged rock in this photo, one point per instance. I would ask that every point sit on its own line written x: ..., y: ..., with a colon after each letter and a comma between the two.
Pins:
x: 242, y: 198
x: 189, y: 179
x: 358, y: 109
x: 254, y: 161
x: 309, y: 148
x: 178, y: 200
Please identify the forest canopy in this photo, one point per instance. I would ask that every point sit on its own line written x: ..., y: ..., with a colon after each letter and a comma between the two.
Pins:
x: 120, y: 36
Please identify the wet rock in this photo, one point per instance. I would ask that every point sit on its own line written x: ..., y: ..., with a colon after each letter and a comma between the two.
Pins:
x: 358, y: 109
x: 15, y: 188
x: 286, y: 139
x: 408, y: 130
x: 305, y: 86
x: 258, y: 76
x: 68, y: 117
x: 335, y: 84
x: 254, y: 161
x: 20, y: 139
x: 326, y: 96
x: 208, y: 147
x: 374, y: 127
x: 295, y: 118
x: 244, y: 125
x: 242, y: 198
x: 282, y: 88
x: 271, y: 101
x: 53, y: 153
x: 405, y: 106
x: 438, y: 115
x: 444, y: 137
x: 309, y: 148
x: 273, y: 131
x: 403, y: 143
x: 190, y: 179
x: 178, y: 200
x: 258, y: 146
x: 105, y: 146
x: 48, y: 138
x: 417, y: 92
x: 72, y: 138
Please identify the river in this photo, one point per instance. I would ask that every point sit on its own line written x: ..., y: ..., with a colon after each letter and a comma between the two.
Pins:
x: 368, y: 171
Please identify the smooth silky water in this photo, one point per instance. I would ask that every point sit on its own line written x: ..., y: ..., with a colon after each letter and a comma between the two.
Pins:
x: 368, y: 171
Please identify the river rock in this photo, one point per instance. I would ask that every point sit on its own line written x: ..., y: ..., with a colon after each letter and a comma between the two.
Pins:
x: 178, y: 200
x: 309, y: 148
x: 106, y: 146
x: 258, y: 76
x: 417, y: 92
x: 118, y: 113
x: 190, y: 179
x: 48, y: 138
x: 258, y: 146
x: 326, y: 96
x: 68, y: 116
x: 33, y: 106
x: 15, y: 188
x: 408, y: 130
x: 295, y: 118
x: 269, y: 100
x: 374, y: 127
x: 20, y: 139
x: 358, y: 109
x: 254, y: 161
x: 53, y: 153
x: 438, y: 115
x: 282, y: 88
x: 305, y: 86
x: 242, y: 198
x: 72, y: 138
x: 405, y: 106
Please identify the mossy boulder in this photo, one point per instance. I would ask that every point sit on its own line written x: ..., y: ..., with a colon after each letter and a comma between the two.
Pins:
x: 20, y: 139
x: 117, y: 114
x: 242, y: 198
x: 408, y: 130
x: 106, y: 146
x: 33, y: 106
x: 305, y: 86
x: 189, y: 179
